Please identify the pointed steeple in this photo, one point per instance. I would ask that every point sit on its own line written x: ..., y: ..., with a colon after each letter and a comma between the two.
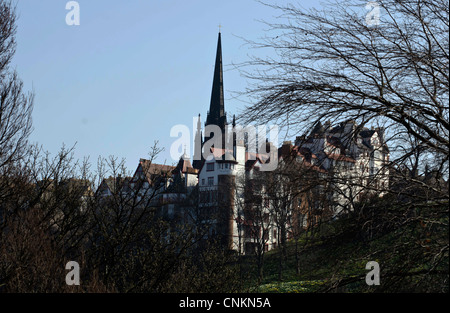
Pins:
x: 318, y: 130
x: 199, y: 124
x: 216, y: 114
x: 198, y: 143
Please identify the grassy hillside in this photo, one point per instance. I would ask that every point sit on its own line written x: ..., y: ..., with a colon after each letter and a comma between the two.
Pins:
x: 412, y: 254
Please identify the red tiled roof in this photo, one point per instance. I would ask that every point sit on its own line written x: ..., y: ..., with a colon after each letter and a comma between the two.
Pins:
x: 152, y: 169
x: 340, y: 157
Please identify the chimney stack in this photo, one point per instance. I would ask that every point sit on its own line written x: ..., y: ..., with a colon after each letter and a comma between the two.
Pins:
x: 286, y: 149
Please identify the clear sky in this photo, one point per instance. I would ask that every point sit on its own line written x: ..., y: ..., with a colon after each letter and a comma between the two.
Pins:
x: 130, y: 71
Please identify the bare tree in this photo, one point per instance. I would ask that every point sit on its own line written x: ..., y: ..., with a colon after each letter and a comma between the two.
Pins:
x: 15, y: 105
x: 44, y: 222
x: 116, y: 225
x: 7, y: 34
x: 332, y: 64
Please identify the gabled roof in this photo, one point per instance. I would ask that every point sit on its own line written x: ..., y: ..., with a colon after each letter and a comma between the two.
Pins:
x: 152, y: 170
x: 111, y: 183
x: 184, y: 166
x: 250, y: 158
x: 318, y: 129
x: 367, y: 133
x: 334, y: 141
x: 337, y: 129
x: 304, y: 153
x: 340, y: 157
x: 222, y: 154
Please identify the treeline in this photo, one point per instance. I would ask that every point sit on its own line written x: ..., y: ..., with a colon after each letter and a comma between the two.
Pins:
x: 50, y: 214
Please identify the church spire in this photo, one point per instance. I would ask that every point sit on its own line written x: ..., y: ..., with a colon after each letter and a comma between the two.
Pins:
x: 198, y: 143
x: 216, y: 114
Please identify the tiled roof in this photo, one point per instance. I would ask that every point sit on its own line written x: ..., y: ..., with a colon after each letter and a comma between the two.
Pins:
x: 184, y: 166
x: 151, y: 169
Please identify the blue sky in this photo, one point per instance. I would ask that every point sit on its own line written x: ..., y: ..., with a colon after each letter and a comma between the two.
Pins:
x: 130, y: 71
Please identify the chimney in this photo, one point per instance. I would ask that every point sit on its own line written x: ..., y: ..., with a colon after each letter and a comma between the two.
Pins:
x: 299, y: 140
x: 286, y: 149
x: 380, y: 131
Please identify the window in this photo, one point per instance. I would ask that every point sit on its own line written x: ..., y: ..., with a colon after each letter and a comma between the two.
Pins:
x: 203, y: 181
x: 209, y: 167
x: 377, y: 155
x: 210, y: 181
